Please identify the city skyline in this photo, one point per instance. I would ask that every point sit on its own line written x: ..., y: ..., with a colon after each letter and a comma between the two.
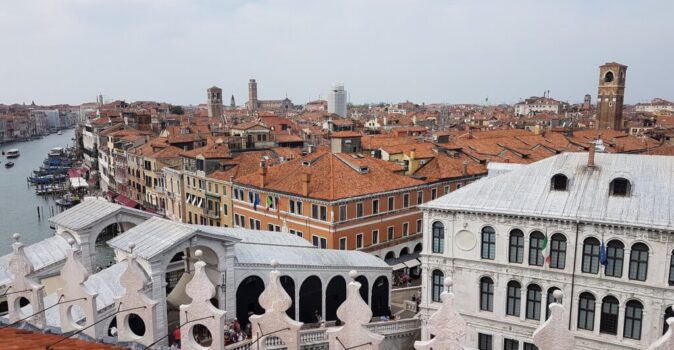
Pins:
x: 428, y: 51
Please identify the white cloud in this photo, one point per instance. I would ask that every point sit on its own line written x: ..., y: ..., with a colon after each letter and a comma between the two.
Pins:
x: 454, y: 51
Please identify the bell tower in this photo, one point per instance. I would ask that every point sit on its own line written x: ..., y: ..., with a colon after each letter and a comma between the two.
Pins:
x: 214, y: 102
x: 610, y: 96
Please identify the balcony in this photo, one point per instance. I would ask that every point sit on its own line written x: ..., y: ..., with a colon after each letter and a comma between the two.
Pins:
x: 212, y: 214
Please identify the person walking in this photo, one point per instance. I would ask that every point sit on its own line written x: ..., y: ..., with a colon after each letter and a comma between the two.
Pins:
x: 176, y: 336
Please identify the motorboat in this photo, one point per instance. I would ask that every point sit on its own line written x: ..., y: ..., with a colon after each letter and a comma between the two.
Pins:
x: 9, y: 164
x: 12, y: 153
x: 59, y: 132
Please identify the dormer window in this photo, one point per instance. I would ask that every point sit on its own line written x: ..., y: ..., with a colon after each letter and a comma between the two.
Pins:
x: 559, y: 182
x: 620, y: 187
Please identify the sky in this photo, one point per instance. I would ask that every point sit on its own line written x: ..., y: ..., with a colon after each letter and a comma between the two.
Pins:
x: 431, y: 51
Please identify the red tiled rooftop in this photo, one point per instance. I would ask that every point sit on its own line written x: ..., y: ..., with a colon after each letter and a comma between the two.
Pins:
x: 19, y: 339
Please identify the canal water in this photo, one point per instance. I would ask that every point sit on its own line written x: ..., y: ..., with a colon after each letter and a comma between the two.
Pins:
x: 18, y: 201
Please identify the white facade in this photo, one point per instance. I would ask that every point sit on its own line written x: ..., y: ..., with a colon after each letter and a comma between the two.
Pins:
x: 586, y: 213
x: 337, y: 100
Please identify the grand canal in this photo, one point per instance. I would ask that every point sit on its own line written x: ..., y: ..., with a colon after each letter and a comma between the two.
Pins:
x: 18, y: 201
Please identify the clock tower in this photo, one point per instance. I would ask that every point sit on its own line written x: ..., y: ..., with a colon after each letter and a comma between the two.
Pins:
x: 610, y: 96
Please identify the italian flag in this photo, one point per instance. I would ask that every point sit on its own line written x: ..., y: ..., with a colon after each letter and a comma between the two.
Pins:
x: 546, y: 250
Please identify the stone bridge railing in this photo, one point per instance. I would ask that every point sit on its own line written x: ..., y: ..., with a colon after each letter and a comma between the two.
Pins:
x: 317, y: 338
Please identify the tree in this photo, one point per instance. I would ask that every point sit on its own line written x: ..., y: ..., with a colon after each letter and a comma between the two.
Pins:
x: 176, y: 110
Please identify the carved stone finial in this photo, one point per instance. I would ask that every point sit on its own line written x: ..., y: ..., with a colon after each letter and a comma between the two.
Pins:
x: 71, y: 243
x: 446, y: 324
x: 132, y: 246
x: 275, y: 264
x: 74, y: 274
x: 666, y: 342
x: 198, y: 254
x: 355, y: 313
x: 447, y: 283
x: 558, y: 295
x: 353, y: 274
x: 275, y: 301
x: 17, y: 237
x: 201, y: 290
x: 554, y: 334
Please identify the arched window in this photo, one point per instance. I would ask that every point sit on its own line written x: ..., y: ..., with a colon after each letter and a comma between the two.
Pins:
x: 559, y: 182
x: 620, y: 187
x: 488, y: 243
x: 609, y: 316
x: 590, y: 255
x: 438, y: 237
x: 486, y: 294
x: 536, y: 242
x: 516, y: 246
x: 615, y: 251
x: 586, y: 305
x: 533, y: 302
x: 671, y: 270
x: 514, y: 297
x: 550, y: 299
x: 438, y: 278
x: 558, y: 251
x: 608, y: 77
x: 633, y: 317
x: 638, y: 262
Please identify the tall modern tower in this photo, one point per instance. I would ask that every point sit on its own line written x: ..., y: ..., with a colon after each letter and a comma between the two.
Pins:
x: 610, y: 96
x: 337, y: 100
x: 252, y: 95
x: 214, y: 102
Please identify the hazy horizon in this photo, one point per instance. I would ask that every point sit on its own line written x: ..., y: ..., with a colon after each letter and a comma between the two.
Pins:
x: 68, y: 51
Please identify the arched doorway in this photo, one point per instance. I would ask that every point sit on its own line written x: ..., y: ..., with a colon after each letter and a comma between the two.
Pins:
x: 247, y: 299
x: 364, y: 288
x: 380, y: 291
x: 335, y: 294
x: 389, y: 255
x: 311, y: 293
x: 417, y: 248
x: 289, y: 286
x: 404, y: 251
x: 104, y: 255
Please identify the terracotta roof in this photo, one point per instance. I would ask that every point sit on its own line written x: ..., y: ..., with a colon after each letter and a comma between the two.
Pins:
x: 212, y: 150
x: 444, y: 167
x: 19, y: 339
x: 287, y: 138
x: 246, y: 126
x: 344, y: 134
x: 334, y: 176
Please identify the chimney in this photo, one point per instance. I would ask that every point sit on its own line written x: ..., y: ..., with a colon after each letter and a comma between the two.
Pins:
x: 306, y: 179
x: 413, y: 154
x: 590, y: 155
x: 263, y: 172
x: 465, y: 167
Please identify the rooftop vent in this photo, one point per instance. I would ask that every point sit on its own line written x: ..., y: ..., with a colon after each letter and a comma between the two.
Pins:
x: 364, y: 170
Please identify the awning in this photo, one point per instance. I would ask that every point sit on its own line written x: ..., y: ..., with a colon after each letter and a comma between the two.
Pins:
x: 412, y: 263
x: 77, y: 182
x: 126, y: 201
x: 399, y: 267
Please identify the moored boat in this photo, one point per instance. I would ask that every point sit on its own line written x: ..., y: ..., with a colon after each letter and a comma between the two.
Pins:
x: 9, y: 164
x: 12, y: 153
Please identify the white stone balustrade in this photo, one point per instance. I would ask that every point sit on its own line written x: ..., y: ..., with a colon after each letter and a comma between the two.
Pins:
x: 134, y: 303
x: 554, y: 333
x: 200, y: 312
x: 23, y: 287
x: 77, y: 310
x: 446, y: 324
x: 274, y: 327
x: 355, y: 314
x: 666, y: 342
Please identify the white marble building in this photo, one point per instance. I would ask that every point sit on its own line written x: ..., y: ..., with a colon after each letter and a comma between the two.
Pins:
x: 236, y: 261
x: 608, y: 219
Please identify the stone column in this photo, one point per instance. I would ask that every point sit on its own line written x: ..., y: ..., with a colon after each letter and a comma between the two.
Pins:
x: 523, y: 302
x: 544, y: 306
x: 597, y: 316
x: 621, y: 322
